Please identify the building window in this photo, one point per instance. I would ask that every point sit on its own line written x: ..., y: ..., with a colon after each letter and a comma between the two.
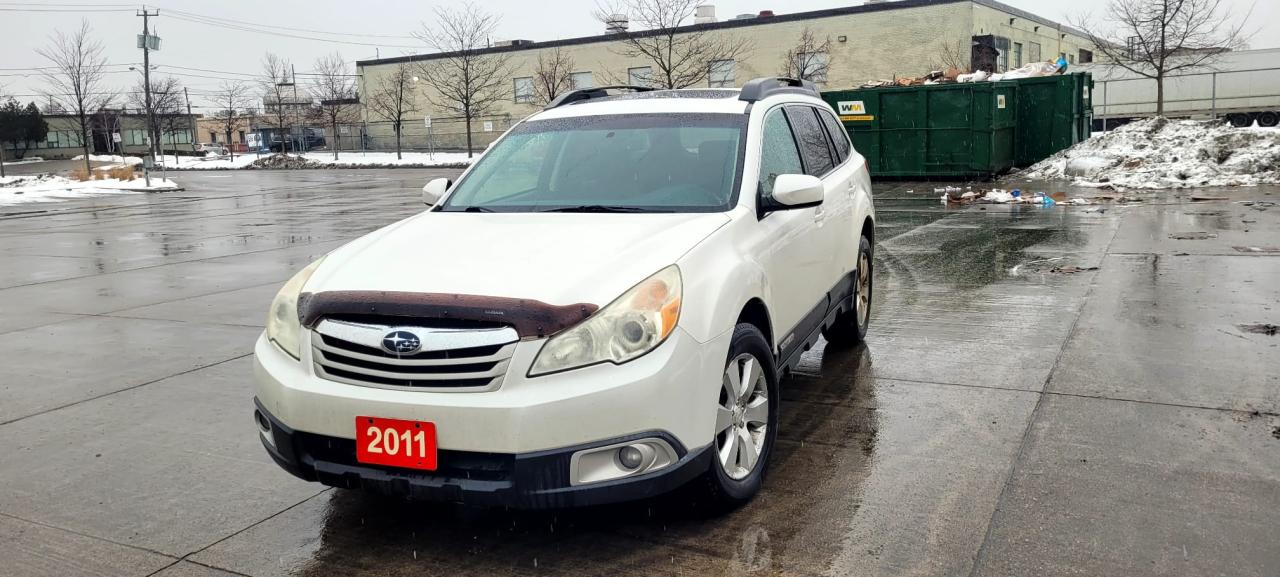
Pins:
x: 1086, y: 56
x: 1071, y: 58
x: 62, y: 139
x: 582, y: 80
x: 135, y: 137
x: 213, y: 137
x: 523, y: 89
x: 241, y: 137
x: 640, y: 76
x: 176, y: 137
x: 721, y: 73
x: 1033, y: 52
x: 1002, y: 49
x: 1017, y: 55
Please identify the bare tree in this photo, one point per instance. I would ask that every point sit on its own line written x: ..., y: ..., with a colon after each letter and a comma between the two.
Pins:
x: 954, y: 53
x: 553, y: 76
x: 230, y: 99
x: 392, y: 99
x: 277, y: 85
x: 809, y: 59
x: 166, y: 97
x: 335, y: 87
x: 167, y: 108
x: 465, y: 79
x: 77, y: 78
x: 681, y: 58
x: 1157, y: 38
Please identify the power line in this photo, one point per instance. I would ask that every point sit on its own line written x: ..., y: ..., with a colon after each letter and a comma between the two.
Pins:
x: 309, y: 30
x: 279, y: 34
x: 67, y: 10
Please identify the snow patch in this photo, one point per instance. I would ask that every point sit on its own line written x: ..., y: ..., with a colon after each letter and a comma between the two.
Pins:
x: 117, y: 160
x: 323, y: 159
x: 1158, y: 153
x: 50, y: 188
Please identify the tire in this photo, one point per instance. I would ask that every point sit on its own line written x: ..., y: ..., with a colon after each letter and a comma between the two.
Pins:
x: 1268, y: 119
x: 1240, y: 120
x: 850, y: 327
x: 728, y: 482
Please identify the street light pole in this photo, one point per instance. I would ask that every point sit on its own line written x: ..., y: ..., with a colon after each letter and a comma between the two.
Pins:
x: 146, y: 89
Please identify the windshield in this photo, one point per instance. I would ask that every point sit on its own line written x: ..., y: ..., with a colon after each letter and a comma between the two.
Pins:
x: 625, y: 163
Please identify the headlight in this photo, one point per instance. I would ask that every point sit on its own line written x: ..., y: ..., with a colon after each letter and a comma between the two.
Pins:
x: 632, y: 325
x: 283, y: 327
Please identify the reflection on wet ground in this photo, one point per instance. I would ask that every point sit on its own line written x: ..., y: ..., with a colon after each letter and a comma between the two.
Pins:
x: 1044, y: 392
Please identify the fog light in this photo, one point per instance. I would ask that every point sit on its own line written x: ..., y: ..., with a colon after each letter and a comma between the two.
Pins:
x: 630, y: 457
x: 263, y: 423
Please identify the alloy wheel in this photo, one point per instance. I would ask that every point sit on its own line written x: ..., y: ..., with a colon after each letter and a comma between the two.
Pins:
x: 742, y: 418
x: 863, y: 302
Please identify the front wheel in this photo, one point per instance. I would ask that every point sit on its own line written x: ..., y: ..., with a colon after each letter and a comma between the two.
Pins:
x: 850, y: 327
x: 746, y: 419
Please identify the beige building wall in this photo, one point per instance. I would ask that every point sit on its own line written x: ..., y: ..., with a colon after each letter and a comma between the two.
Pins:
x: 883, y: 43
x: 1054, y: 39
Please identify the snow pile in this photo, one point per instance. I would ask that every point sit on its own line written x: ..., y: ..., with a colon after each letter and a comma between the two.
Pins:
x: 322, y: 159
x: 117, y: 160
x: 1159, y: 153
x: 48, y: 188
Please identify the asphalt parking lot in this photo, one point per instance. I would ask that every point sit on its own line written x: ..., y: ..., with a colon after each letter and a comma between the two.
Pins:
x: 1009, y: 415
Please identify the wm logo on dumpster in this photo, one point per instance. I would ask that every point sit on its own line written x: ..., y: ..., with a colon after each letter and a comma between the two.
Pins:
x: 850, y: 107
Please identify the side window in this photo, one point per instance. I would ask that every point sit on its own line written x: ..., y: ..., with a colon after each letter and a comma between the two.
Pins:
x: 778, y: 153
x: 813, y: 140
x: 839, y: 136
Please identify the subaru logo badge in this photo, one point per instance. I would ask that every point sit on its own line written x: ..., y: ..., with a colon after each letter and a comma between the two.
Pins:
x: 401, y: 343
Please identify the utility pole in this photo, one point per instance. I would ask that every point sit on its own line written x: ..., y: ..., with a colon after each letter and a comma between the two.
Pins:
x: 297, y: 119
x: 191, y: 119
x: 146, y: 87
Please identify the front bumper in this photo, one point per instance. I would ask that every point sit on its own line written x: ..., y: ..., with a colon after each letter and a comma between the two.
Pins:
x: 538, y: 480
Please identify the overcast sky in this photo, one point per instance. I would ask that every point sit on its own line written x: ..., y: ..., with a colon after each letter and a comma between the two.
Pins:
x: 373, y: 27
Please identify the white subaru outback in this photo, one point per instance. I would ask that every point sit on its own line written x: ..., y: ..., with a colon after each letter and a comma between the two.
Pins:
x: 599, y: 309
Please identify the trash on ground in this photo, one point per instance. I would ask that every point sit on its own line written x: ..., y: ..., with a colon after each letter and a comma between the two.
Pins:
x: 1071, y: 269
x: 1193, y: 235
x: 1159, y: 153
x: 1260, y: 329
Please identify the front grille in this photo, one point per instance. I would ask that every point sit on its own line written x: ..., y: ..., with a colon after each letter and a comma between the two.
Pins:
x: 450, y: 358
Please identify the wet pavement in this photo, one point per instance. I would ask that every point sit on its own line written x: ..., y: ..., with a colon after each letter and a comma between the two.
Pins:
x: 1007, y: 416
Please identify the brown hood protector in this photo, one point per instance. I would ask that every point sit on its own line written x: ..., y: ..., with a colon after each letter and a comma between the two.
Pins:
x: 529, y: 318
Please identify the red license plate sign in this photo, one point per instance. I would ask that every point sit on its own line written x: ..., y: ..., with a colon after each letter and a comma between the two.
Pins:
x: 396, y: 443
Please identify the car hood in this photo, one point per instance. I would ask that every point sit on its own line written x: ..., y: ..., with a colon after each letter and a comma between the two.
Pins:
x: 558, y: 258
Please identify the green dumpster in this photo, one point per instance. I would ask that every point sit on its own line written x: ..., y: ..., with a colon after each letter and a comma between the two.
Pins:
x: 931, y: 131
x: 968, y: 130
x: 1054, y: 112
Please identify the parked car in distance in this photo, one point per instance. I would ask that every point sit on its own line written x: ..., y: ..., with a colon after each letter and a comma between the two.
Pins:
x: 599, y: 309
x: 212, y: 148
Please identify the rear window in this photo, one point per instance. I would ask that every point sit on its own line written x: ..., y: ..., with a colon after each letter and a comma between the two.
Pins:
x: 812, y: 138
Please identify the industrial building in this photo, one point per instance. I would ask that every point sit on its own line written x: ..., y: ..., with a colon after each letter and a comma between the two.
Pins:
x: 113, y: 132
x: 876, y: 40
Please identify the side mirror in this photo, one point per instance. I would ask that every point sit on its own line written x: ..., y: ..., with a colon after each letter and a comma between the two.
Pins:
x: 796, y: 191
x: 434, y: 190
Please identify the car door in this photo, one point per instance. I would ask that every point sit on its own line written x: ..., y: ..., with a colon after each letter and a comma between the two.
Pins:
x: 790, y: 245
x: 831, y: 220
x: 847, y: 229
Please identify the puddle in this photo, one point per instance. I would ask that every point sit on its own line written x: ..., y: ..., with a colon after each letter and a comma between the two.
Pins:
x: 1193, y: 235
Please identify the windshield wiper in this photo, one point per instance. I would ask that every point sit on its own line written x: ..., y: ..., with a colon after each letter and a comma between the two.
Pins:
x: 477, y: 209
x: 602, y: 208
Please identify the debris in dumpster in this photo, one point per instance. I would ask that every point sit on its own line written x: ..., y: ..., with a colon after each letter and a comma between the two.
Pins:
x: 1260, y: 329
x: 1257, y: 249
x: 1193, y: 235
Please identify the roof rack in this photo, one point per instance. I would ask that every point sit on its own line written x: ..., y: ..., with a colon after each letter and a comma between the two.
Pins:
x: 576, y: 96
x: 761, y: 88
